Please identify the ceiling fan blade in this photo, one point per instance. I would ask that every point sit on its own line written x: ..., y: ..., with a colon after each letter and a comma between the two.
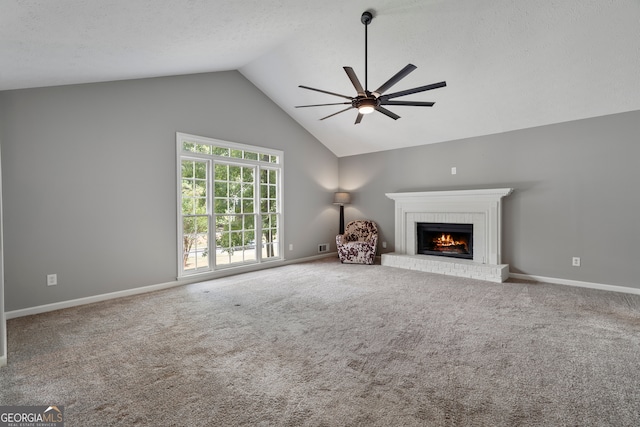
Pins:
x: 341, y: 111
x: 414, y: 90
x: 322, y: 105
x: 411, y: 103
x: 395, y: 79
x: 359, y: 118
x: 327, y: 92
x: 387, y: 113
x: 354, y: 80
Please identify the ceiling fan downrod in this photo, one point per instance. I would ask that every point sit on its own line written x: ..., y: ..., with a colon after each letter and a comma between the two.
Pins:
x: 366, y: 19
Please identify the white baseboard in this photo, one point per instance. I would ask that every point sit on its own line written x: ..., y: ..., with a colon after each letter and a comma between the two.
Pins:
x: 3, y: 361
x: 88, y: 300
x: 577, y: 283
x: 224, y: 273
x: 144, y: 289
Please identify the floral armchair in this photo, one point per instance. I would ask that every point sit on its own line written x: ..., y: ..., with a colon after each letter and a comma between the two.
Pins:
x: 358, y: 243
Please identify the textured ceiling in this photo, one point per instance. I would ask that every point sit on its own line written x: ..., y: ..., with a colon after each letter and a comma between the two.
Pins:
x: 508, y: 64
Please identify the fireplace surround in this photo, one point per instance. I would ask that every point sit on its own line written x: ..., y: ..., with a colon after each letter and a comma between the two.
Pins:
x: 480, y: 208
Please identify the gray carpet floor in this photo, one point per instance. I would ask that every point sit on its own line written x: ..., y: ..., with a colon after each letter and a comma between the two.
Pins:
x: 326, y: 344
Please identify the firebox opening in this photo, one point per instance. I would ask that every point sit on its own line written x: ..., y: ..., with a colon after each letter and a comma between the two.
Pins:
x: 444, y: 239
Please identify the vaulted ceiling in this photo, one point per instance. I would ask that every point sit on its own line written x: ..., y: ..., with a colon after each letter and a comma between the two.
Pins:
x: 508, y: 64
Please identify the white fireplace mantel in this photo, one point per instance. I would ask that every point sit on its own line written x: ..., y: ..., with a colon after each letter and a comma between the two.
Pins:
x: 482, y: 208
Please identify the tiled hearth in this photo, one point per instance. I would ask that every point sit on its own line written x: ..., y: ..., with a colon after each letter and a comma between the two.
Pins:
x: 482, y: 208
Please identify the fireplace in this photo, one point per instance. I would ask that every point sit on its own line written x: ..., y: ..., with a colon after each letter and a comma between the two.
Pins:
x: 481, y: 209
x: 445, y: 239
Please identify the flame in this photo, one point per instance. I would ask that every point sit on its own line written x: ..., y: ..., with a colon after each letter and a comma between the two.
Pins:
x: 447, y: 240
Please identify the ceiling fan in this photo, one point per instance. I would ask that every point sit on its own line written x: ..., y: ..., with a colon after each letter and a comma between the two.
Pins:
x: 367, y: 102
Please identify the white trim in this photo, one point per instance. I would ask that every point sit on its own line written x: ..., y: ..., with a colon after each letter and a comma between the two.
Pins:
x: 89, y: 300
x: 484, y: 193
x: 181, y: 136
x: 3, y: 319
x: 577, y: 283
x: 229, y: 272
x: 144, y: 289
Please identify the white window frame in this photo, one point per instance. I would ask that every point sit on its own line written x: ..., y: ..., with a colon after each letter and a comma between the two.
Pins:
x: 212, y: 160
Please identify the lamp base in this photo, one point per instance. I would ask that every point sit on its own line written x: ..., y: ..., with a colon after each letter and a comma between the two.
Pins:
x: 341, y: 219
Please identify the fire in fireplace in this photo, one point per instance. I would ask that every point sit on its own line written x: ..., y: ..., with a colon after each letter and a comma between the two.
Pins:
x: 444, y: 239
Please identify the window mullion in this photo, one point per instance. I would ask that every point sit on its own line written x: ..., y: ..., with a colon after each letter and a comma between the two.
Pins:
x: 212, y: 226
x: 257, y: 215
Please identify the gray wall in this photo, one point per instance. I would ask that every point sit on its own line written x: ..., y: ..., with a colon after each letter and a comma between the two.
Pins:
x: 89, y: 184
x: 89, y: 179
x: 576, y: 193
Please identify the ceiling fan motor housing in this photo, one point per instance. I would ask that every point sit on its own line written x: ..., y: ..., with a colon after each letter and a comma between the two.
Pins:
x: 365, y: 101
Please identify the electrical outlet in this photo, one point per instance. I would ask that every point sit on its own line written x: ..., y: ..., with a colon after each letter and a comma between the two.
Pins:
x: 384, y: 245
x: 454, y: 170
x: 290, y: 246
x: 323, y: 247
x: 575, y: 261
x: 52, y: 279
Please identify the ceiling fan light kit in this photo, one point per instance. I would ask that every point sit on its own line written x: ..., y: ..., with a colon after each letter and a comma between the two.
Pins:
x: 366, y: 106
x: 367, y: 102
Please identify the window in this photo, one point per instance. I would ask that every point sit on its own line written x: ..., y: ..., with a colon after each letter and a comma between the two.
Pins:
x: 229, y: 210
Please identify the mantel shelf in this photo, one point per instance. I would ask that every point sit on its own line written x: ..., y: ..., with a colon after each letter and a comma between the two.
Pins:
x: 483, y: 194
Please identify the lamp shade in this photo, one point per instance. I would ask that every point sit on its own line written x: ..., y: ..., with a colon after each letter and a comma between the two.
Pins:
x: 341, y: 198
